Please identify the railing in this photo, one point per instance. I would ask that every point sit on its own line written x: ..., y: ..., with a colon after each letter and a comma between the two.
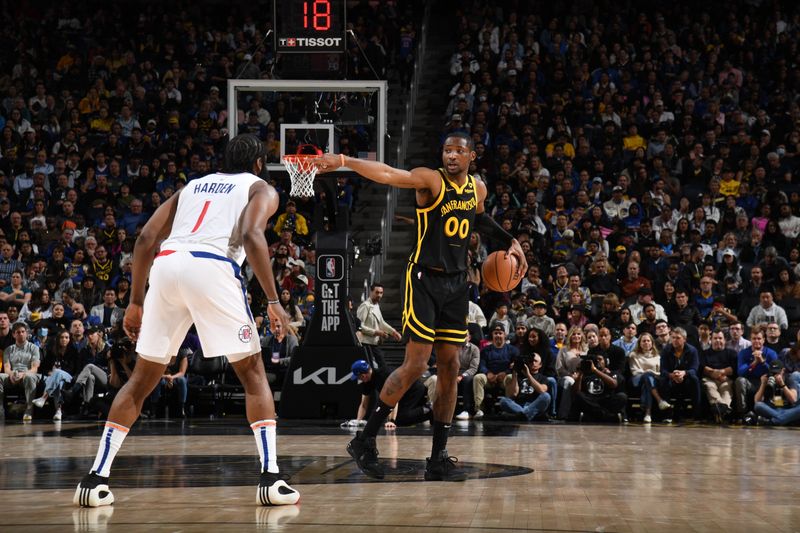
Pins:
x: 378, y: 261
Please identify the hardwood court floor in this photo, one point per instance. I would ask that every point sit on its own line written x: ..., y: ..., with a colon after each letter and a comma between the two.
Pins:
x: 200, y: 475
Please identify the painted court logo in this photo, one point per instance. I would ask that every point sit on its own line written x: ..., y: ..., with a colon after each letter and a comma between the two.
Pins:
x: 245, y: 333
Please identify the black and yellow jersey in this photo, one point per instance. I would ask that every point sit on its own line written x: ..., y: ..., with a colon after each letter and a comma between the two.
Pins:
x: 444, y: 227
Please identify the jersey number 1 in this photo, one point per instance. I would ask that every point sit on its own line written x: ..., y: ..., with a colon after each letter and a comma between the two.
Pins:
x: 202, y: 216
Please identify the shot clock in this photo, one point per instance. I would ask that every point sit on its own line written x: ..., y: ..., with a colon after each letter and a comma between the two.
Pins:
x: 310, y: 26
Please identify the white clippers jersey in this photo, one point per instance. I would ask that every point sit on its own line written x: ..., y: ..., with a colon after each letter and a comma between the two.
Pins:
x: 208, y: 215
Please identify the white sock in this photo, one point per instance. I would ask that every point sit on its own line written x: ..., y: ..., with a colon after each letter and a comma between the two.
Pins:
x: 264, y: 432
x: 110, y: 442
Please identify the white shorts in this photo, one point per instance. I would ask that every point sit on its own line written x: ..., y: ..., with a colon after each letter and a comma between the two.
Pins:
x: 203, y: 288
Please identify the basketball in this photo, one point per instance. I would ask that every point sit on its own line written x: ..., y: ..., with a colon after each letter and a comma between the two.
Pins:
x: 500, y: 272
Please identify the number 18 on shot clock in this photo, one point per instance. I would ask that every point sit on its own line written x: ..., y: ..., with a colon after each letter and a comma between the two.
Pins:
x: 310, y: 26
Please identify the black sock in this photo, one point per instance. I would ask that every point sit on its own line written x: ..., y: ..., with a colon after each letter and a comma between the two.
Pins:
x: 440, y: 432
x: 376, y: 420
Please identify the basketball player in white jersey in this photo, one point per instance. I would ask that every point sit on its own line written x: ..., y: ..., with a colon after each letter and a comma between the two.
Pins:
x: 207, y: 229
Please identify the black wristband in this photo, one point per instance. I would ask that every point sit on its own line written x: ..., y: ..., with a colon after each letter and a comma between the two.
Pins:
x: 486, y: 224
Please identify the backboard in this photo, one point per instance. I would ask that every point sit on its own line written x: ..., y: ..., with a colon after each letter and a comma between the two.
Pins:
x: 341, y: 116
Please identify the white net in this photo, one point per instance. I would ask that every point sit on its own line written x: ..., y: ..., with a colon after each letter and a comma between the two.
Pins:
x: 301, y: 173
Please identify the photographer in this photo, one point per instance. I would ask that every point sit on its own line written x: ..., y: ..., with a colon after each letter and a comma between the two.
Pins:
x: 595, y: 398
x: 412, y: 407
x: 775, y: 403
x: 526, y: 393
x: 121, y: 362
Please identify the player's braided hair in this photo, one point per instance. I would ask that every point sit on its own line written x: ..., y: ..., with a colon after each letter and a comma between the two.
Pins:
x: 242, y: 153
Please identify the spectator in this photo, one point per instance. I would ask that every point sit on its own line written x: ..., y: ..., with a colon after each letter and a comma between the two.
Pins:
x: 174, y: 378
x: 6, y: 337
x: 16, y: 292
x: 469, y: 359
x: 540, y: 319
x: 736, y: 342
x: 628, y: 339
x: 76, y: 330
x: 718, y: 369
x: 292, y: 221
x: 767, y: 311
x: 134, y: 219
x: 645, y: 297
x: 107, y: 313
x: 752, y: 363
x: 292, y: 249
x: 281, y: 347
x: 679, y: 366
x: 662, y: 336
x: 617, y: 207
x: 8, y: 265
x: 374, y: 329
x: 633, y: 282
x: 774, y: 340
x: 494, y: 367
x: 791, y: 364
x: 502, y: 317
x: 60, y: 366
x: 20, y: 369
x: 563, y: 299
x: 645, y: 368
x: 569, y: 356
x: 615, y: 357
x: 476, y: 321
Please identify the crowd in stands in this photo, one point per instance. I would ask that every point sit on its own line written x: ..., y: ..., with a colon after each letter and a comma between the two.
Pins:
x: 646, y: 158
x: 106, y: 110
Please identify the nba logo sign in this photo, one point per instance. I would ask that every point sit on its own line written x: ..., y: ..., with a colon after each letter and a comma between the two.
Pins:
x: 330, y: 267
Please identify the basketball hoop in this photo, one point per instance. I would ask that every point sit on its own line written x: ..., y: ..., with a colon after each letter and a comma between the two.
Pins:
x: 302, y: 170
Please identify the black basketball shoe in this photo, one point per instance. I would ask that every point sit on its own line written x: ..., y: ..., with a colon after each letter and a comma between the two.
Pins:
x: 443, y: 468
x: 93, y: 491
x: 365, y: 454
x: 273, y: 490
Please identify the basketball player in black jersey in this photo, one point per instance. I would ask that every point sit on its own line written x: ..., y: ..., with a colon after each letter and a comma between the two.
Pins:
x: 449, y: 205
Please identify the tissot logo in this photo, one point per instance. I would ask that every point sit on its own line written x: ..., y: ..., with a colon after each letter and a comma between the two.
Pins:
x: 310, y: 42
x: 323, y: 376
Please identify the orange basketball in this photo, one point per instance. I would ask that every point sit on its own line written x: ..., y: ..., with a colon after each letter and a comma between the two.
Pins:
x: 500, y: 272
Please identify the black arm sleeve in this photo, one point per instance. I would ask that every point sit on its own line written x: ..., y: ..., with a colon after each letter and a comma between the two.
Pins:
x: 489, y: 227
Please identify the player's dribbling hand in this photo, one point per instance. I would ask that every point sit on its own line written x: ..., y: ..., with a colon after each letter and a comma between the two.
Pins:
x: 277, y: 313
x: 327, y: 162
x: 132, y: 323
x: 516, y: 251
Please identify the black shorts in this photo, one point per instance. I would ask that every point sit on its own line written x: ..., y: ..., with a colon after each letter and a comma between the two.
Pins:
x: 435, y: 306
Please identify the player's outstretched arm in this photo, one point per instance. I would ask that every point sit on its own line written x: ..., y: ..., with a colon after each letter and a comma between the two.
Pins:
x: 262, y: 205
x: 418, y: 178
